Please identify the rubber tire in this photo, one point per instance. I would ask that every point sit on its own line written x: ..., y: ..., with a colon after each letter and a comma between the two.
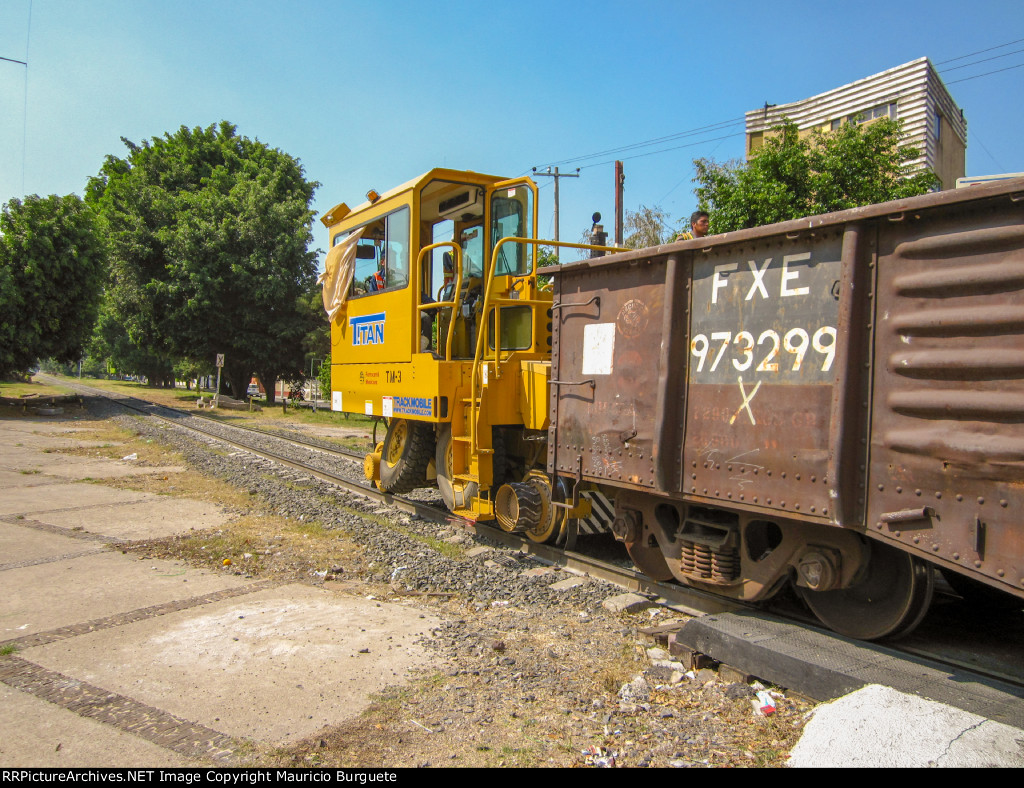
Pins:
x: 412, y: 456
x: 442, y: 462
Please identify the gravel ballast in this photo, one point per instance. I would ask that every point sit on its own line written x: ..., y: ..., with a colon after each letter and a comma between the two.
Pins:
x: 530, y: 670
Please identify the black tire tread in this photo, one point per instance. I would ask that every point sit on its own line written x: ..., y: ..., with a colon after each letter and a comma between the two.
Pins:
x: 410, y: 472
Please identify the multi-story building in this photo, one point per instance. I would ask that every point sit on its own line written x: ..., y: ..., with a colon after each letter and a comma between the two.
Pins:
x: 912, y: 93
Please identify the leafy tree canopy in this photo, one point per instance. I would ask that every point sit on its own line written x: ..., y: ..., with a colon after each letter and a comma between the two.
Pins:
x: 51, y: 274
x: 209, y: 239
x: 646, y: 227
x: 790, y: 177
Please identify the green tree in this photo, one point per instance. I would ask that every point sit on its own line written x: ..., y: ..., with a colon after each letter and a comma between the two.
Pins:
x: 51, y: 273
x: 209, y: 235
x: 324, y: 376
x: 113, y: 344
x: 791, y: 177
x: 646, y: 227
x: 546, y: 255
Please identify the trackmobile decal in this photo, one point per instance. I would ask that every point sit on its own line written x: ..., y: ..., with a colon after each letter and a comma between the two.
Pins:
x: 414, y: 406
x: 368, y: 329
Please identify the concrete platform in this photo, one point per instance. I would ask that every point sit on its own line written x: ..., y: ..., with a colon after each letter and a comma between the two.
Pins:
x: 28, y: 460
x: 29, y: 501
x: 275, y: 665
x: 20, y: 546
x: 150, y: 517
x: 75, y: 590
x: 122, y: 661
x: 879, y: 727
x: 926, y: 714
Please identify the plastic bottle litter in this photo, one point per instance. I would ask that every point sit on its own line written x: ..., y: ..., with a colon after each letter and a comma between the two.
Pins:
x: 765, y: 703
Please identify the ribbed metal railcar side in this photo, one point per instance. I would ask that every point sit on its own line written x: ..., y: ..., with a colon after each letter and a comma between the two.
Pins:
x: 947, y: 416
x: 748, y: 396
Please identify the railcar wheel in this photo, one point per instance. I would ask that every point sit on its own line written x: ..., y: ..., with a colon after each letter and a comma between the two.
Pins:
x: 889, y: 600
x: 457, y: 494
x: 406, y: 454
x: 650, y: 561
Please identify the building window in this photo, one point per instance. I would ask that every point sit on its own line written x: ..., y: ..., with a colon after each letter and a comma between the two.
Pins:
x: 878, y: 111
x: 938, y: 126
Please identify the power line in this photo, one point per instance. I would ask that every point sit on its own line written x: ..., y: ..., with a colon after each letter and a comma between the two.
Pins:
x: 977, y: 139
x: 984, y: 60
x: 657, y: 140
x: 663, y: 150
x: 987, y: 73
x: 979, y: 52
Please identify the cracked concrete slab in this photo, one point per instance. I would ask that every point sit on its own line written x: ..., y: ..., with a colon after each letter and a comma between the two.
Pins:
x: 29, y: 501
x: 131, y: 661
x: 28, y: 462
x: 33, y: 426
x: 879, y: 727
x: 275, y: 665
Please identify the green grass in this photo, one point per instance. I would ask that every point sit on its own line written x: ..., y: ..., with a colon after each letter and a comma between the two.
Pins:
x: 8, y: 648
x: 17, y: 390
x: 270, y: 416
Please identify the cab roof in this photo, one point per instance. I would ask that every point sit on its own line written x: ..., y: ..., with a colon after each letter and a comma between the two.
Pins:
x: 341, y: 211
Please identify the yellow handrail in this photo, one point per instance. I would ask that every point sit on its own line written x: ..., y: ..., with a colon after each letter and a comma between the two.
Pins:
x: 490, y: 303
x: 438, y: 305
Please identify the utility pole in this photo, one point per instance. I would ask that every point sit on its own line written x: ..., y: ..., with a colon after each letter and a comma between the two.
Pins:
x: 620, y: 180
x: 556, y: 175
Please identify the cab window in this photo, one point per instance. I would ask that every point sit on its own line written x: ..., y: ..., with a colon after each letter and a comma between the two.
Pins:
x: 510, y: 217
x: 382, y: 255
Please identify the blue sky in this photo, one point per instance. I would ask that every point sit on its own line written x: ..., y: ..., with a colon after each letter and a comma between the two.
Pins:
x: 370, y: 94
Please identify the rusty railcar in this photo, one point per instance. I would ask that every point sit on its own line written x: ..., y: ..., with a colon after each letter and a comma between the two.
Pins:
x: 836, y: 401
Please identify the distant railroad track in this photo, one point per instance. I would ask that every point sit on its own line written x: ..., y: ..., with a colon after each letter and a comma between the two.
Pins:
x: 685, y: 600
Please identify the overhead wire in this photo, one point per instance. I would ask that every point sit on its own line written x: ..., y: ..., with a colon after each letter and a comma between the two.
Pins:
x: 725, y: 124
x: 24, y: 115
x: 987, y: 73
x: 647, y: 143
x: 656, y: 152
x: 979, y: 52
x: 983, y: 60
x: 973, y: 135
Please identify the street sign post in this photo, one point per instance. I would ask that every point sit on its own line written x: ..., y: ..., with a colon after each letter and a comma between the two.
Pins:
x: 220, y: 364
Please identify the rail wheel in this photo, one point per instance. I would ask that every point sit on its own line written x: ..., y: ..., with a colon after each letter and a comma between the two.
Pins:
x: 406, y: 454
x: 650, y: 561
x: 889, y: 600
x: 457, y: 494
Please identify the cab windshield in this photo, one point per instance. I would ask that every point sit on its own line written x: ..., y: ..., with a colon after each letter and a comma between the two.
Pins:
x: 510, y: 218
